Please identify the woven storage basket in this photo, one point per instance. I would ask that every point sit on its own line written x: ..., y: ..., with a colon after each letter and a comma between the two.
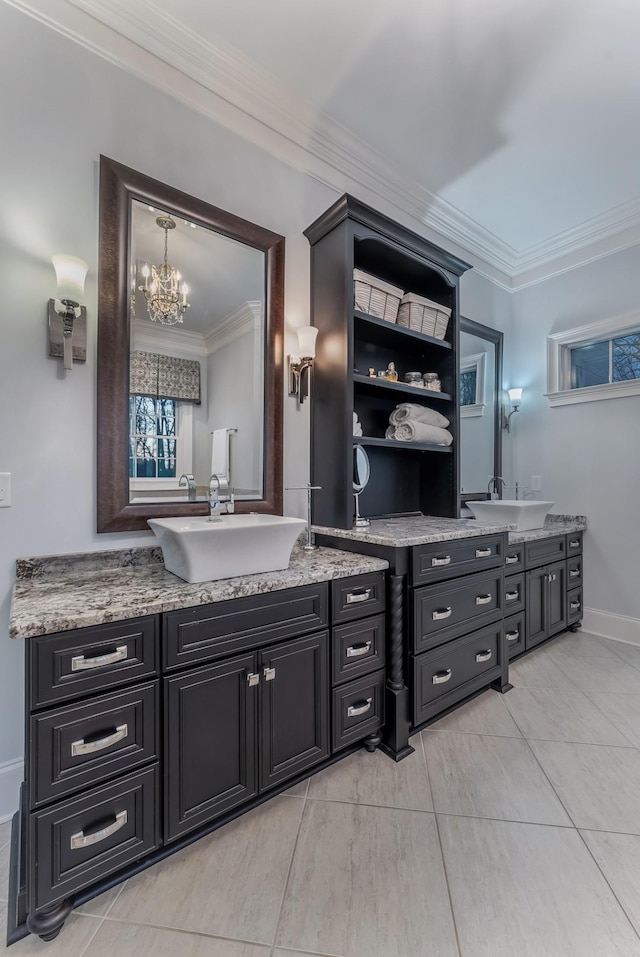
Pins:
x: 376, y: 297
x: 424, y: 315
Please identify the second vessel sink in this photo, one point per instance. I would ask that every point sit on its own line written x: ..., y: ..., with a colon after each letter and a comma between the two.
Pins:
x: 523, y: 515
x: 198, y: 550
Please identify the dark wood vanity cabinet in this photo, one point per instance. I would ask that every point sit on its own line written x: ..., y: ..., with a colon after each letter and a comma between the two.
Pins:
x: 546, y: 602
x: 145, y: 734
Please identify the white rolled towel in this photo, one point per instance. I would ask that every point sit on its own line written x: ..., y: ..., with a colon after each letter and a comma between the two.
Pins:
x: 412, y: 412
x: 390, y: 433
x: 357, y: 429
x: 411, y: 431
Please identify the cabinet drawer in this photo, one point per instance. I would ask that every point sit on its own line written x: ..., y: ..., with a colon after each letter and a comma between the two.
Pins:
x: 241, y: 624
x: 358, y: 710
x: 574, y: 572
x: 357, y: 649
x: 574, y: 606
x: 574, y: 543
x: 447, y: 674
x: 514, y: 594
x: 81, y: 841
x: 441, y: 612
x: 545, y: 550
x: 79, y: 662
x: 513, y: 559
x: 357, y: 597
x: 514, y: 634
x: 439, y: 561
x: 80, y: 745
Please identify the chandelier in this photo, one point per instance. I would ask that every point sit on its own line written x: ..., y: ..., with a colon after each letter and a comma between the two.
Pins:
x: 166, y: 294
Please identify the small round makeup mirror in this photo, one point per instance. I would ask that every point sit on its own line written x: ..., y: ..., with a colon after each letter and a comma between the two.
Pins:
x: 361, y: 476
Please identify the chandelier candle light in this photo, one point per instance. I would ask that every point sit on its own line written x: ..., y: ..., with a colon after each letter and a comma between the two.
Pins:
x: 166, y: 295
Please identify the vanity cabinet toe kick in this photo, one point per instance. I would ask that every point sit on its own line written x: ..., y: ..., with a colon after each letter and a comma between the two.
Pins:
x: 144, y: 735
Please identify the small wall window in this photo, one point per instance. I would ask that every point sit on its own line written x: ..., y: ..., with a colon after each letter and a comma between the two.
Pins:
x: 600, y: 361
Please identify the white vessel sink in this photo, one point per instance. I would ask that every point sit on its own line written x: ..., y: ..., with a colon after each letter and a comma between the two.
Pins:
x: 198, y: 550
x: 524, y: 515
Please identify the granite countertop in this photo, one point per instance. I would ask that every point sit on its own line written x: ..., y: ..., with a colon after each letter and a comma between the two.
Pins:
x: 553, y: 525
x: 58, y: 593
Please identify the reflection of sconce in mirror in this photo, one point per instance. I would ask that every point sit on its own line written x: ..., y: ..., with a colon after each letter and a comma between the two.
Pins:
x: 300, y: 368
x: 68, y: 326
x: 515, y: 398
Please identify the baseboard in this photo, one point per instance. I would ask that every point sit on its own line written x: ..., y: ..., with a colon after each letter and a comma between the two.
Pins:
x: 608, y: 625
x: 11, y: 777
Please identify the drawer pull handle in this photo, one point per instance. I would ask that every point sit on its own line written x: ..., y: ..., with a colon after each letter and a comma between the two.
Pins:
x: 483, y: 552
x: 356, y: 651
x: 269, y: 674
x: 574, y: 573
x: 511, y: 560
x: 512, y: 635
x: 512, y: 596
x: 575, y: 544
x: 355, y: 709
x: 438, y: 615
x: 574, y: 605
x: 253, y: 679
x: 86, y: 840
x: 483, y: 599
x: 80, y: 663
x: 442, y: 677
x: 90, y: 747
x: 484, y: 655
x: 364, y: 594
x: 435, y: 562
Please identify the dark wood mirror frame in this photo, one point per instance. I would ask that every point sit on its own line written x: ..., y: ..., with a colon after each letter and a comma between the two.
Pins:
x: 491, y: 335
x: 118, y: 186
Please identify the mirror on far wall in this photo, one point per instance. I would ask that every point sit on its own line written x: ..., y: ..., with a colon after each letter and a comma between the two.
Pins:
x: 480, y: 385
x: 190, y: 333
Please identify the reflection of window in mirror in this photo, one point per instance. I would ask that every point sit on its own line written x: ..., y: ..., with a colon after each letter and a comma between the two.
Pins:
x: 160, y: 447
x: 472, y: 374
x: 468, y: 387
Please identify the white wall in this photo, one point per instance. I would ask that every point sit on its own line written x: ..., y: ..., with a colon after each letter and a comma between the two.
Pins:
x: 64, y: 107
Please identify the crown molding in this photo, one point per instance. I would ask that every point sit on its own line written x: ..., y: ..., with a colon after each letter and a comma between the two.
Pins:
x: 246, y: 318
x: 157, y: 338
x: 235, y: 92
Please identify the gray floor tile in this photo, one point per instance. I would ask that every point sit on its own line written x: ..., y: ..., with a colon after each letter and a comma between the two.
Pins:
x: 622, y: 710
x: 5, y: 833
x: 486, y: 714
x: 598, y: 785
x: 101, y: 905
x: 365, y: 778
x: 486, y: 776
x: 229, y: 884
x: 628, y: 653
x: 540, y: 670
x: 5, y: 858
x: 367, y: 880
x: 278, y: 952
x: 521, y: 890
x: 134, y: 940
x: 611, y: 675
x: 553, y: 715
x: 298, y: 790
x: 582, y: 644
x: 618, y: 856
x: 71, y: 942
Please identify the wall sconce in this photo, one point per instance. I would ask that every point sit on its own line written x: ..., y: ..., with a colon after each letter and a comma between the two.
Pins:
x: 515, y: 398
x: 68, y: 325
x: 300, y: 368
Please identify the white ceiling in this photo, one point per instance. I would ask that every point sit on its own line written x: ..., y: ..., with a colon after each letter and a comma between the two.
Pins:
x: 510, y: 126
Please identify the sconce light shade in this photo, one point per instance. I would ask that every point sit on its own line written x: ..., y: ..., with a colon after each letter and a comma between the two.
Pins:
x: 515, y: 396
x: 307, y: 341
x: 71, y: 273
x: 68, y: 327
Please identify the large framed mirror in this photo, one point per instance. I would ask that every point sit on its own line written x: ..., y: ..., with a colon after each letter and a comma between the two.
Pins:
x: 190, y: 354
x: 480, y: 391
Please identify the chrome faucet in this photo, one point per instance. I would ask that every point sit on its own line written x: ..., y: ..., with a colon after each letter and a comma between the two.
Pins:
x: 220, y: 503
x: 498, y: 484
x: 190, y: 483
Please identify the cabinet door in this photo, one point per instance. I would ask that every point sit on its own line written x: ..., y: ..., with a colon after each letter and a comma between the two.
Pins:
x: 210, y: 734
x: 536, y: 606
x: 556, y: 597
x: 295, y: 707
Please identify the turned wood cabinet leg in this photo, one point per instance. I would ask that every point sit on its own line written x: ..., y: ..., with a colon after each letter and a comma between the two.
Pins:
x: 372, y: 742
x: 48, y: 922
x: 396, y: 730
x: 575, y: 627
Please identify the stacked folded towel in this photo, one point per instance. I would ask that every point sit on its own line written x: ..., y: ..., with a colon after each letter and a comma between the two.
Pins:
x: 410, y: 422
x: 357, y: 427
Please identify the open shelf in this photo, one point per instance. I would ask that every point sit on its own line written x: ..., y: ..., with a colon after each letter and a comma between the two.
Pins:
x: 380, y: 330
x: 366, y: 383
x: 410, y: 446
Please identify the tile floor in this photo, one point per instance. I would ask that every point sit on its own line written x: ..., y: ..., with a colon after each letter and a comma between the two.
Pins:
x: 512, y: 831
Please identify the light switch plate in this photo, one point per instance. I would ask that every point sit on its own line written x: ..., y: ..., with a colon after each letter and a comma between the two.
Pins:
x: 536, y: 483
x: 5, y: 489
